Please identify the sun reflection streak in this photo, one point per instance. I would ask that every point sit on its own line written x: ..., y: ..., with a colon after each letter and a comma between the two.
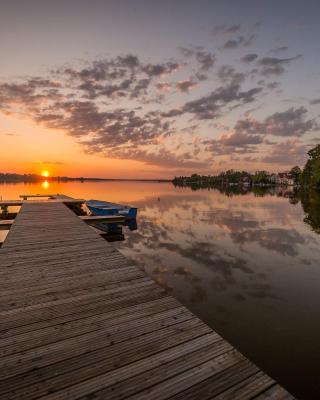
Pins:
x: 45, y: 185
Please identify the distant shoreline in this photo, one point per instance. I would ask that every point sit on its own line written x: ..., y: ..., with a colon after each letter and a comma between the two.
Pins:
x: 14, y: 178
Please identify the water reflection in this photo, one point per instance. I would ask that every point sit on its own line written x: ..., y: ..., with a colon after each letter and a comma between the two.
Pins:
x: 311, y: 206
x: 45, y: 185
x: 114, y: 232
x: 247, y: 264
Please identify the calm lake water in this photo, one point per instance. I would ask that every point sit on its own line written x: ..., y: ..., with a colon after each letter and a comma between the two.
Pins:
x: 246, y: 264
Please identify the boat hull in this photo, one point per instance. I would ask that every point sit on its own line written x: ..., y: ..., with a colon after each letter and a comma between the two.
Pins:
x: 127, y: 213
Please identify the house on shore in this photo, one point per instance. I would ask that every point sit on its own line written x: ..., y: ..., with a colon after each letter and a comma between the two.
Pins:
x: 282, y: 178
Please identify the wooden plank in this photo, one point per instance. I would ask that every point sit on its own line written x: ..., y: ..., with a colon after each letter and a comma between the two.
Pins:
x: 102, y: 360
x: 4, y: 203
x: 101, y: 305
x: 79, y: 320
x: 209, y: 386
x: 276, y: 392
x: 26, y: 196
x: 162, y: 366
x: 107, y: 218
x: 6, y: 221
x: 5, y: 224
x: 36, y: 336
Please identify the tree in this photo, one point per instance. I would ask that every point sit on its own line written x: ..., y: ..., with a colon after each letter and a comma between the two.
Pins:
x: 260, y: 177
x: 295, y: 172
x: 311, y: 172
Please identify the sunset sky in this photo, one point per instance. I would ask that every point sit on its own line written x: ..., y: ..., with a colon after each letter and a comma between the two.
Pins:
x: 153, y: 89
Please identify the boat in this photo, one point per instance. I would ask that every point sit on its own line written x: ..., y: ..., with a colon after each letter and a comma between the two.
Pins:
x: 98, y: 207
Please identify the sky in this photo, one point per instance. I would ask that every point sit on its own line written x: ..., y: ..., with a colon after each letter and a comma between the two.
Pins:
x: 149, y: 89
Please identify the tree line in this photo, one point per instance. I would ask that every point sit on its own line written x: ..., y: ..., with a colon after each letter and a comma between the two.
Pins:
x: 309, y: 176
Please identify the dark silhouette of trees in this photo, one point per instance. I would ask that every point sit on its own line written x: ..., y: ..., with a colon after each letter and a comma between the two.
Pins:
x: 311, y: 172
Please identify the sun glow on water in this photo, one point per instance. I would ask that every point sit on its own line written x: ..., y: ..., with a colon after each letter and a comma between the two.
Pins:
x: 45, y: 185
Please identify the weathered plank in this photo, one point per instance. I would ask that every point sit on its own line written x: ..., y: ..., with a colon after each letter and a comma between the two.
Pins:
x: 107, y: 218
x: 26, y: 196
x: 10, y: 203
x: 6, y: 224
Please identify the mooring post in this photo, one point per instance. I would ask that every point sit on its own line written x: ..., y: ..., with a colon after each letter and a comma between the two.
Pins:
x: 4, y: 210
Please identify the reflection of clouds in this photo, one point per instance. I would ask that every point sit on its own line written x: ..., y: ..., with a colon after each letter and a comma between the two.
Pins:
x: 207, y: 254
x: 199, y: 294
x: 239, y: 297
x: 243, y: 228
x: 175, y: 203
x: 191, y: 253
x: 261, y: 290
x: 247, y: 266
x: 280, y: 240
x: 187, y: 274
x: 204, y: 244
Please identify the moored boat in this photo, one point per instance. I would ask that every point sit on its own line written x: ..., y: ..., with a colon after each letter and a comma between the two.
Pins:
x: 98, y: 207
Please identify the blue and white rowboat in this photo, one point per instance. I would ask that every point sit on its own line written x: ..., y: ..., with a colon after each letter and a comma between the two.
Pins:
x: 101, y: 208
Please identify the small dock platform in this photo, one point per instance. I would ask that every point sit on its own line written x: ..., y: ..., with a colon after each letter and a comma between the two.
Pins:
x: 79, y: 321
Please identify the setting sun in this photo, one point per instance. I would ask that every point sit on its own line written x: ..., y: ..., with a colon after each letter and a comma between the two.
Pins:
x: 45, y: 174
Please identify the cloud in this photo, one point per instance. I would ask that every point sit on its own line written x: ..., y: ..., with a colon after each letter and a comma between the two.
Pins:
x: 73, y: 100
x: 123, y: 89
x: 30, y: 93
x: 249, y: 57
x: 201, y: 77
x: 275, y: 66
x: 120, y: 107
x: 210, y: 107
x: 205, y: 59
x: 227, y: 73
x: 105, y: 129
x: 225, y: 29
x: 140, y: 87
x: 315, y: 101
x: 119, y: 77
x: 279, y: 50
x: 290, y: 152
x: 248, y: 133
x: 292, y: 122
x: 163, y: 158
x: 240, y: 41
x: 185, y: 86
x: 164, y: 86
x: 240, y: 139
x: 172, y: 113
x: 273, y: 85
x: 76, y: 100
x: 233, y: 142
x: 104, y: 69
x: 53, y: 162
x: 186, y: 51
x: 160, y: 69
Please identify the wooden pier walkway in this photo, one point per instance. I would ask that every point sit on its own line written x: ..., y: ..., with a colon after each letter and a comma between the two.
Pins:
x: 78, y: 321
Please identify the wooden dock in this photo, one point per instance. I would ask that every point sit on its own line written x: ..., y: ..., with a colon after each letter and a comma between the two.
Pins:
x: 79, y: 321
